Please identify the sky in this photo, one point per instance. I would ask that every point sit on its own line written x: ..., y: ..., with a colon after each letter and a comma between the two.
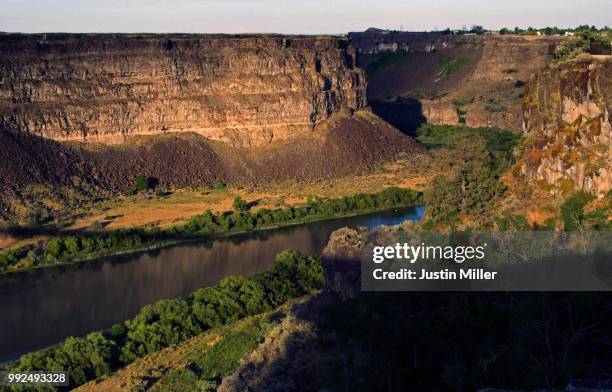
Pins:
x: 293, y: 16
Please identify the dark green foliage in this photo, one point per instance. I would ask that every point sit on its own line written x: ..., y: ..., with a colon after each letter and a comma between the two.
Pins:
x: 219, y: 186
x: 65, y: 249
x: 169, y: 322
x: 469, y: 180
x: 572, y: 210
x: 8, y: 258
x: 240, y: 204
x: 499, y: 142
x: 242, y: 220
x: 140, y: 184
x: 586, y: 40
x: 477, y: 29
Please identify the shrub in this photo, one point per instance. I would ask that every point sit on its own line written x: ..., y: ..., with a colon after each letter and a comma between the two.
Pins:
x: 470, y: 181
x: 96, y: 225
x: 240, y: 204
x: 55, y: 247
x: 572, y: 210
x: 140, y: 184
x: 170, y: 322
x: 66, y: 249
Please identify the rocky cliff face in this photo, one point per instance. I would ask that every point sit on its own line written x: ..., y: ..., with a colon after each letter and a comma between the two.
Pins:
x: 567, y: 113
x: 459, y: 79
x: 242, y: 90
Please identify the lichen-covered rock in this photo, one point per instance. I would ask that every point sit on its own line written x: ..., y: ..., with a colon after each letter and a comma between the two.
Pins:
x: 242, y: 90
x: 567, y: 111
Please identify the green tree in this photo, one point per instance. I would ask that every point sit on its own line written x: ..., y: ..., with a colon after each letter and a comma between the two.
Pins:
x: 572, y: 210
x: 55, y: 247
x: 469, y: 181
x: 240, y: 204
x: 72, y: 244
x: 140, y: 184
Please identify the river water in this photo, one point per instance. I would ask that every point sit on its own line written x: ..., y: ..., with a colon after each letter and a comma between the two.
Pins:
x: 43, y: 307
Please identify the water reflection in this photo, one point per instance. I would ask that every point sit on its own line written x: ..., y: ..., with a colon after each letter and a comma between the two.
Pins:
x: 44, y: 307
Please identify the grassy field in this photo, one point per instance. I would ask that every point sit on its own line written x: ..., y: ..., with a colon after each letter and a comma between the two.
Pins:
x: 180, y: 205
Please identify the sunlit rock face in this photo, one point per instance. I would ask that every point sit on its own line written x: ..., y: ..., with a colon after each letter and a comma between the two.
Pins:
x: 241, y: 90
x: 567, y: 111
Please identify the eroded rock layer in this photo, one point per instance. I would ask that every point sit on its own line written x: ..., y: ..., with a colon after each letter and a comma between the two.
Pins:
x: 476, y: 80
x: 567, y: 115
x: 242, y: 90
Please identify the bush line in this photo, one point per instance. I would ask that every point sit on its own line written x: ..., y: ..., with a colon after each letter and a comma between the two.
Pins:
x: 170, y: 322
x: 63, y: 250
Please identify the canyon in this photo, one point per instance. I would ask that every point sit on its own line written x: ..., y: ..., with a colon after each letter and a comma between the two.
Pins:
x: 89, y: 112
x: 244, y: 90
x: 476, y: 80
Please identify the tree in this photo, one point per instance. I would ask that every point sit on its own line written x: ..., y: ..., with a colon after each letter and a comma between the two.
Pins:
x: 72, y: 244
x: 55, y: 247
x: 140, y: 184
x: 469, y: 181
x: 477, y: 29
x: 572, y: 210
x: 240, y: 204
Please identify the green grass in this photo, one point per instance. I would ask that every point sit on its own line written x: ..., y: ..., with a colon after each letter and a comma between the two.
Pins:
x: 449, y: 66
x: 208, y: 367
x: 382, y: 61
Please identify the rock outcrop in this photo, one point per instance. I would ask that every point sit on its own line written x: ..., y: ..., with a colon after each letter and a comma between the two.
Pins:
x: 241, y: 90
x: 567, y: 110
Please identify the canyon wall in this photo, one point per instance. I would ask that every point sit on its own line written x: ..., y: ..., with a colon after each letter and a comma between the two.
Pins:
x: 567, y: 111
x: 242, y: 90
x: 476, y: 80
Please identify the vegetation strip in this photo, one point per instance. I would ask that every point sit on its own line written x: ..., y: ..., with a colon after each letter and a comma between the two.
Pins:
x: 73, y: 248
x: 170, y: 322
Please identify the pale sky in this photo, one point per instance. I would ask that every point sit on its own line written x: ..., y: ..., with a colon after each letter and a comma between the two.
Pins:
x: 293, y: 16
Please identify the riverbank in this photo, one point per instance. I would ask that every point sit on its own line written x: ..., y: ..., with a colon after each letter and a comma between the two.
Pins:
x: 72, y: 249
x: 170, y: 322
x: 74, y: 300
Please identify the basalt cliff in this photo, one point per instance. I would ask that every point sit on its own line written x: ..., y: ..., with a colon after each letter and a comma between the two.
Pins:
x: 476, y: 80
x: 567, y: 112
x: 82, y: 114
x: 241, y: 90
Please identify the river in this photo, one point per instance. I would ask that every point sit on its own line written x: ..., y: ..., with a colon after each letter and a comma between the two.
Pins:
x: 43, y: 307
